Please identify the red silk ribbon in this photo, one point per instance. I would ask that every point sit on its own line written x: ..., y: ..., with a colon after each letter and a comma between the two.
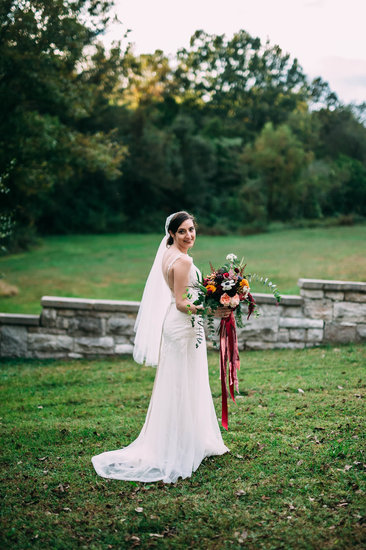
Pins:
x: 229, y: 353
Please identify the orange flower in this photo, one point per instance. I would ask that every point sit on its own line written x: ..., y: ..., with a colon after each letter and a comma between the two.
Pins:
x: 211, y: 288
x: 243, y: 282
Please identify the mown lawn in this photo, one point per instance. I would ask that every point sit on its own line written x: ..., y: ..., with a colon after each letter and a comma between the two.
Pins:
x: 295, y: 476
x: 116, y: 266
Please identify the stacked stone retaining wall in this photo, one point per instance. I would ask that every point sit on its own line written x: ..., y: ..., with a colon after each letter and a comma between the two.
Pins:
x: 325, y: 312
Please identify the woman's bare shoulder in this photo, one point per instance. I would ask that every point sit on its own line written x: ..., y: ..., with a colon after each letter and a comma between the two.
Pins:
x: 184, y: 259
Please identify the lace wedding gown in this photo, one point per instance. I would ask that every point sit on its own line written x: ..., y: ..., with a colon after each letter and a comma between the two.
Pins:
x: 181, y: 427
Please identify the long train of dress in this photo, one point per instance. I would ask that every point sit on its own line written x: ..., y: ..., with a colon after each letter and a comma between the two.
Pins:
x: 181, y: 427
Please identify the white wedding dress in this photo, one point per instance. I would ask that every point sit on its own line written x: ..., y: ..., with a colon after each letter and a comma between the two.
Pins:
x: 181, y: 427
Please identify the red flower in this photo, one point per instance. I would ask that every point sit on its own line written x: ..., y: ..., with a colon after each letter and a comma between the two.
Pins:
x: 226, y: 274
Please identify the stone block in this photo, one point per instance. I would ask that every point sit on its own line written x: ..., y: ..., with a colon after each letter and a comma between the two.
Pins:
x: 49, y: 343
x: 319, y: 309
x: 48, y: 317
x: 286, y: 299
x: 263, y: 328
x: 289, y: 345
x: 102, y: 345
x: 65, y: 323
x: 323, y: 284
x: 123, y: 339
x: 361, y: 331
x: 257, y: 345
x: 74, y: 355
x: 350, y: 311
x: 312, y: 284
x: 120, y: 325
x: 283, y: 335
x: 355, y: 297
x: 264, y: 298
x: 121, y: 306
x: 287, y: 311
x: 123, y: 349
x: 89, y: 304
x: 22, y: 319
x: 268, y: 310
x: 87, y: 325
x: 13, y: 341
x: 59, y: 302
x: 297, y: 334
x: 260, y: 345
x: 66, y: 312
x: 345, y: 285
x: 314, y: 335
x: 294, y: 322
x: 45, y: 330
x: 312, y: 294
x: 335, y: 296
x: 340, y: 332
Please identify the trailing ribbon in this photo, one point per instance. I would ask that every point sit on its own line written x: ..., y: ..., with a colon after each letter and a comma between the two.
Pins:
x: 228, y: 353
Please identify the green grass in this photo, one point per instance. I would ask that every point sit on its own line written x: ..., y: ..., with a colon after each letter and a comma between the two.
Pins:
x: 116, y: 266
x: 294, y: 477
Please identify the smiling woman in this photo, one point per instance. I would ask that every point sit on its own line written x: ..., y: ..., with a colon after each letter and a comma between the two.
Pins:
x: 181, y: 427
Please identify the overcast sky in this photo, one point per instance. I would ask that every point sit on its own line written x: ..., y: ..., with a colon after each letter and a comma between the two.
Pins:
x: 327, y: 36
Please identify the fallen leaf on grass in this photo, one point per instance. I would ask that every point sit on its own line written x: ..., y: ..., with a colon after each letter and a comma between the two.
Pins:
x: 300, y: 390
x: 347, y: 467
x: 139, y: 509
x: 156, y: 536
x: 242, y: 537
x: 263, y: 497
x: 43, y: 458
x: 240, y: 493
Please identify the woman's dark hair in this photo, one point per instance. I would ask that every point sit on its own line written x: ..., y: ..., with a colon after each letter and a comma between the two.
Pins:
x: 176, y: 221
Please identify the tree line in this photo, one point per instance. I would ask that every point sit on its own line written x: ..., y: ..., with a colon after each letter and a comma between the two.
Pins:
x: 231, y: 129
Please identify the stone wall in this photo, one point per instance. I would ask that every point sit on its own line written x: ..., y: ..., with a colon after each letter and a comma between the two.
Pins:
x: 325, y: 312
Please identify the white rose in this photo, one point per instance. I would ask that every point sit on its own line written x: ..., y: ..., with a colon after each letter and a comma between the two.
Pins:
x: 231, y: 257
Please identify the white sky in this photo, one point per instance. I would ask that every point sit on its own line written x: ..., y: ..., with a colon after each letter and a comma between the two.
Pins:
x: 327, y: 36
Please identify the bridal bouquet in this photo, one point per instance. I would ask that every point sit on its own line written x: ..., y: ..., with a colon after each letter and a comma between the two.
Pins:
x: 227, y: 286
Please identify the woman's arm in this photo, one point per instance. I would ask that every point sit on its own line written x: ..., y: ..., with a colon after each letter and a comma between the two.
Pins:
x: 181, y: 277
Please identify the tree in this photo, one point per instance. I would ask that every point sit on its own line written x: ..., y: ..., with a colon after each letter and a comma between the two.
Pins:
x: 275, y: 162
x: 44, y: 98
x: 241, y: 79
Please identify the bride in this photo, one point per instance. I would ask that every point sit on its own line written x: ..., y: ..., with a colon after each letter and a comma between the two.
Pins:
x: 181, y: 427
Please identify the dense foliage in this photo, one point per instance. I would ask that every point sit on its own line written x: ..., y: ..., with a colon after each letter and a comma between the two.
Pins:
x: 232, y: 129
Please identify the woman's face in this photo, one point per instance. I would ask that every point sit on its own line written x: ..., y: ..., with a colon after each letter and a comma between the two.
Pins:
x: 186, y: 235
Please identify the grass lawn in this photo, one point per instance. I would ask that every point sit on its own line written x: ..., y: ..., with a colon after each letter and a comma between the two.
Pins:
x: 116, y: 266
x: 294, y: 477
